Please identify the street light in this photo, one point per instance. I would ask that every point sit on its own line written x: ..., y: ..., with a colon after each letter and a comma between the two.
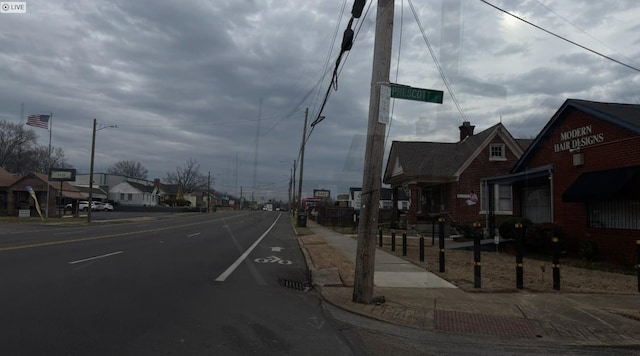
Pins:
x: 93, y: 149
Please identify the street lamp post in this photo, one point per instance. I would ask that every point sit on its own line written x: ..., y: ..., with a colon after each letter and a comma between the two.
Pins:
x: 93, y: 150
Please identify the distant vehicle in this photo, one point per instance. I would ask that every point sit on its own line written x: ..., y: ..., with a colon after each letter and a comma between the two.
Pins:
x: 268, y: 207
x: 103, y: 206
x: 83, y: 205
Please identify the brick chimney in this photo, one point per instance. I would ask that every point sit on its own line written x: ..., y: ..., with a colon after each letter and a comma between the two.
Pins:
x: 466, y: 130
x: 156, y: 183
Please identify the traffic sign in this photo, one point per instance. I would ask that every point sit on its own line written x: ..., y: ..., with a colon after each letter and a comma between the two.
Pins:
x: 418, y: 94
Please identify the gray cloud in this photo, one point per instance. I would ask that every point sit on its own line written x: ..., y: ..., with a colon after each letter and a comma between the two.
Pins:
x: 196, y: 79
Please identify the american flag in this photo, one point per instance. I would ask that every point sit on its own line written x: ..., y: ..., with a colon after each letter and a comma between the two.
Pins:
x: 41, y: 121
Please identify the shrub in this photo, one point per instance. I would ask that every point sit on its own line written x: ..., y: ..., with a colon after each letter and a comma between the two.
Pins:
x: 508, y: 227
x: 465, y: 230
x: 588, y: 250
x: 538, y: 237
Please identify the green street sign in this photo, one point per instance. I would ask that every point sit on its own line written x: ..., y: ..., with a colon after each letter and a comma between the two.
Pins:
x: 400, y: 91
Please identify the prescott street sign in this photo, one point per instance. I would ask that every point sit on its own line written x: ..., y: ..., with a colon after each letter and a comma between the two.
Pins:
x: 400, y: 91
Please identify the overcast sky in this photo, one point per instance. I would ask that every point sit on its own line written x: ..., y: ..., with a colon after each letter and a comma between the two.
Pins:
x: 214, y: 80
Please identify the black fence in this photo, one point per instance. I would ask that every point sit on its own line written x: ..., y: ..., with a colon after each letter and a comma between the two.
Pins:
x: 348, y: 217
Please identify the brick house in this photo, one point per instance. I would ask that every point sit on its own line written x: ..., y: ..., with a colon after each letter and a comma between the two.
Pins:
x: 582, y: 172
x: 444, y: 179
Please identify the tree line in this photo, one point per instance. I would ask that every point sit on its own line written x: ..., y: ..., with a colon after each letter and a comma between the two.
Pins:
x: 20, y: 154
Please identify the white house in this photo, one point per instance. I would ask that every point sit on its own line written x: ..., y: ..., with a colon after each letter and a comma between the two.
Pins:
x: 131, y: 193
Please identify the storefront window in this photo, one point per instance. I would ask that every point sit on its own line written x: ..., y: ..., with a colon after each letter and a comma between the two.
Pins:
x: 614, y: 214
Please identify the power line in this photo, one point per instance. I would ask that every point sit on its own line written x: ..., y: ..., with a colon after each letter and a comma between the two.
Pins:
x: 437, y: 63
x: 347, y: 42
x: 562, y: 38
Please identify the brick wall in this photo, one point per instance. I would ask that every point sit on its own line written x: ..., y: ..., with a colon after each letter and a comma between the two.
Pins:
x: 470, y: 179
x: 619, y: 148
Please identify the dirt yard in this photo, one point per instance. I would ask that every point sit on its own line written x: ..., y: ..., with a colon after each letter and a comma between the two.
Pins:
x: 498, y: 269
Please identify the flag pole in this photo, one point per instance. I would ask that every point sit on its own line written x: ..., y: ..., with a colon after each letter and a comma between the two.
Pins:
x: 46, y: 211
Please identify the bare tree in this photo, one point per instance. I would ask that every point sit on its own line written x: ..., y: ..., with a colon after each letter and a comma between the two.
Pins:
x: 129, y: 168
x: 188, y: 177
x: 37, y: 160
x: 15, y: 142
x: 20, y: 154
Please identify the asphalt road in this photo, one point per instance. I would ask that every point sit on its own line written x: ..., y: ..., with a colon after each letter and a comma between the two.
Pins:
x: 224, y: 283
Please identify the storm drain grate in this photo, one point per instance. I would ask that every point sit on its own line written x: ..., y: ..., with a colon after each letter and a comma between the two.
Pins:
x: 303, y: 286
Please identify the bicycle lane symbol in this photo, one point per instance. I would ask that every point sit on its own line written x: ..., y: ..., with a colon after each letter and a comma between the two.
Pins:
x: 272, y: 259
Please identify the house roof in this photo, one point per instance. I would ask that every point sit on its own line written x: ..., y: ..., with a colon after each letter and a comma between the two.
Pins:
x: 169, y: 188
x: 438, y: 161
x: 68, y: 190
x: 95, y: 190
x: 6, y: 178
x: 141, y: 187
x: 623, y: 115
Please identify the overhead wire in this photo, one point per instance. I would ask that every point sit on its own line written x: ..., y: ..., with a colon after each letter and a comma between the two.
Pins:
x: 562, y: 38
x: 437, y: 63
x: 347, y: 43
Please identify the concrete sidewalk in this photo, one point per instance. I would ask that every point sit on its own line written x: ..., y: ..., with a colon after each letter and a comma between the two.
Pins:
x: 417, y: 298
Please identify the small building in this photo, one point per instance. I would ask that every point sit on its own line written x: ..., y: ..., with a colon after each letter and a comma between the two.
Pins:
x: 132, y: 193
x: 18, y: 197
x: 443, y: 179
x: 582, y: 172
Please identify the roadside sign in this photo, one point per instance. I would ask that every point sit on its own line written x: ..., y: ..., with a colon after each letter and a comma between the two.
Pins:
x: 383, y: 108
x: 400, y: 91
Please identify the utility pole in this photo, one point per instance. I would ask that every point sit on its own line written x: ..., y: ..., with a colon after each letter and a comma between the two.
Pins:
x: 209, y: 192
x: 372, y: 175
x: 304, y: 137
x: 93, y: 149
x: 293, y: 201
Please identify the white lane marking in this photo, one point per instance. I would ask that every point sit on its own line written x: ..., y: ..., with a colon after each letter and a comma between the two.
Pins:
x: 192, y: 235
x: 225, y: 274
x: 276, y: 249
x: 95, y: 258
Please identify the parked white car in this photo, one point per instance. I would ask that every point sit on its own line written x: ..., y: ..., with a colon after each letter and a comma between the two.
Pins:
x: 83, y: 205
x: 104, y: 207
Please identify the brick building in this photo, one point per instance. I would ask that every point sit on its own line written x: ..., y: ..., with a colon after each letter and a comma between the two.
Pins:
x: 582, y: 172
x: 444, y: 179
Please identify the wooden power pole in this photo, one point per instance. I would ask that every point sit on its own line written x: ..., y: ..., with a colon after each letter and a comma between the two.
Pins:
x: 304, y: 138
x: 372, y: 175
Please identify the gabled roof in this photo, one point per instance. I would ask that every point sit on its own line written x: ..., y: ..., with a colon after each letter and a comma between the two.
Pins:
x: 170, y: 188
x: 6, y: 178
x: 437, y: 161
x: 141, y: 187
x: 624, y: 115
x: 68, y: 190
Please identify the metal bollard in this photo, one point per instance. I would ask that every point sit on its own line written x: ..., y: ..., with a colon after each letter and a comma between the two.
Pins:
x: 477, y: 282
x: 638, y: 259
x: 556, y: 263
x: 519, y: 249
x: 422, y: 249
x: 404, y: 244
x: 441, y: 243
x: 393, y: 241
x: 380, y: 237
